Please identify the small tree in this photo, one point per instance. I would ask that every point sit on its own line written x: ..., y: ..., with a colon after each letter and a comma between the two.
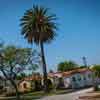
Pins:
x: 21, y: 76
x: 96, y: 69
x: 67, y: 66
x: 51, y: 71
x: 14, y: 61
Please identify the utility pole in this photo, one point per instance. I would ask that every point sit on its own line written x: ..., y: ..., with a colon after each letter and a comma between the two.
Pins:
x: 84, y: 61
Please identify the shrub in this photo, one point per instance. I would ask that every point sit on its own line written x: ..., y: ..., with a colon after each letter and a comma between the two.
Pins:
x: 10, y: 94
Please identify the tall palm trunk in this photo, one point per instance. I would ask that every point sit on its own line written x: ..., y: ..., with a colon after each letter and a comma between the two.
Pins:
x: 45, y: 83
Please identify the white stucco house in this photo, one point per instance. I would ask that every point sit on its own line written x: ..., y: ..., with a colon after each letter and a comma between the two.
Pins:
x: 77, y: 78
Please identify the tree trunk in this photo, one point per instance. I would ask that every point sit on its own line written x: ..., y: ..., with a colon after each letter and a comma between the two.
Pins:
x: 13, y: 83
x: 16, y: 89
x: 45, y: 83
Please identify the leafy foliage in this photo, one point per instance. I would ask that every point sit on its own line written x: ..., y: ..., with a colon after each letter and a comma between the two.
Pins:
x: 16, y: 60
x: 96, y: 68
x: 21, y: 76
x: 67, y: 66
x: 38, y: 25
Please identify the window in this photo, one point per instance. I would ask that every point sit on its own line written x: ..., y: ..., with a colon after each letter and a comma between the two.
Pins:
x: 84, y: 78
x: 79, y: 78
x: 89, y: 76
x: 73, y: 78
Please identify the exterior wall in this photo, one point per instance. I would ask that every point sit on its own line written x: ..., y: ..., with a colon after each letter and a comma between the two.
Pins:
x: 82, y: 79
x: 55, y: 81
x: 67, y: 82
x: 79, y: 80
x: 88, y: 78
x: 24, y: 86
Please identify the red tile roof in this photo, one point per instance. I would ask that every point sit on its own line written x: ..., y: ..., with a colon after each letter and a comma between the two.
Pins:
x: 68, y: 73
x: 33, y: 77
x: 57, y: 74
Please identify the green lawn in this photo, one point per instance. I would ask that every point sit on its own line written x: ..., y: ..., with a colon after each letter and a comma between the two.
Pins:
x: 36, y: 95
x: 40, y: 94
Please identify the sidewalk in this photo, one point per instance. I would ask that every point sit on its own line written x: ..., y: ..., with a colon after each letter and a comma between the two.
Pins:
x: 90, y: 96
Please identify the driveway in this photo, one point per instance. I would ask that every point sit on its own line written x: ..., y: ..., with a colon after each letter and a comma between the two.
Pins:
x: 69, y: 96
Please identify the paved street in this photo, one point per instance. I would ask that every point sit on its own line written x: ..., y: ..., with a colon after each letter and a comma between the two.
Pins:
x: 69, y: 96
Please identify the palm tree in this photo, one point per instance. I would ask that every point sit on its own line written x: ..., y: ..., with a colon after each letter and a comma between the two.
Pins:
x: 38, y: 26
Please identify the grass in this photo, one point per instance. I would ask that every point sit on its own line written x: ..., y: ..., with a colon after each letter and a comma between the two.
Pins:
x: 36, y: 95
x: 41, y: 94
x: 29, y: 96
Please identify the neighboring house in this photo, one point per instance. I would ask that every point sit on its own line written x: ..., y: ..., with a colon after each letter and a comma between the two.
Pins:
x: 25, y: 85
x: 30, y: 83
x: 77, y: 78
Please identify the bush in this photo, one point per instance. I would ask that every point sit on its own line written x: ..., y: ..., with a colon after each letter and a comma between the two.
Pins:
x: 13, y: 93
x: 10, y: 94
x: 96, y: 88
x: 1, y: 87
x: 50, y: 85
x: 38, y: 85
x: 60, y: 84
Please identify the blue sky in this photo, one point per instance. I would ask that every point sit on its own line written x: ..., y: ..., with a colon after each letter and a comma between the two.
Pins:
x: 78, y: 34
